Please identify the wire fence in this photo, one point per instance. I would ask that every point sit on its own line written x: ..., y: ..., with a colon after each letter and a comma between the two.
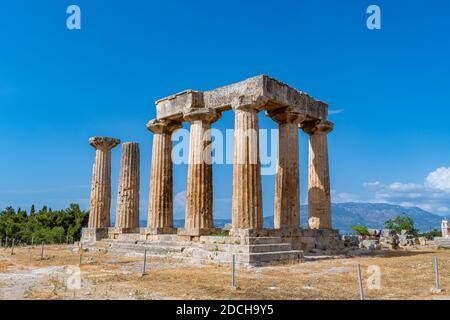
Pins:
x: 17, y: 241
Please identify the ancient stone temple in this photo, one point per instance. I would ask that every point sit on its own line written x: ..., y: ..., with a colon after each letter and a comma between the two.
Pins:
x: 291, y: 110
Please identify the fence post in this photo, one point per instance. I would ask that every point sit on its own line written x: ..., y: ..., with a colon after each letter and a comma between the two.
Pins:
x: 233, y: 270
x: 42, y: 250
x: 436, y: 271
x: 361, y: 289
x: 32, y: 241
x: 12, y: 246
x: 145, y: 262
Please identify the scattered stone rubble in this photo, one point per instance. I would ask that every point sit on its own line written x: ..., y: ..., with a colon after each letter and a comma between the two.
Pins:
x: 378, y: 239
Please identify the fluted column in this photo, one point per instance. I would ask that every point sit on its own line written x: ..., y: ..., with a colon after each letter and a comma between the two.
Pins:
x: 199, y: 195
x: 160, y: 212
x: 127, y: 212
x: 100, y: 200
x: 319, y: 197
x: 247, y: 191
x: 287, y: 185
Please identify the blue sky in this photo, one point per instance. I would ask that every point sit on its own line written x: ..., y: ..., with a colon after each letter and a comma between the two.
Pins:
x: 388, y: 90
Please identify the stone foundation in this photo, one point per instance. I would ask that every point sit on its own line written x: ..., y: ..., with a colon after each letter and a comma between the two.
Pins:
x: 300, y: 239
x: 94, y: 234
x: 121, y: 233
x: 250, y: 247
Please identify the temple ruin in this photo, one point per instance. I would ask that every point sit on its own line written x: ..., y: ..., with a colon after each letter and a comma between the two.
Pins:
x: 198, y: 239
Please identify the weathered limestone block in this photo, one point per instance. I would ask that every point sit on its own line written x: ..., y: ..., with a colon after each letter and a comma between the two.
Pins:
x: 370, y: 245
x: 264, y: 91
x: 199, y: 195
x: 314, y: 223
x: 160, y: 212
x: 319, y: 197
x: 100, y: 200
x: 287, y: 186
x: 247, y: 191
x: 127, y: 212
x: 91, y: 235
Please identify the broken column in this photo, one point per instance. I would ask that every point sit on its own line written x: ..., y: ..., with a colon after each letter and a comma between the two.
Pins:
x: 319, y: 197
x: 127, y: 212
x: 199, y: 195
x: 287, y: 185
x: 160, y: 212
x: 247, y: 190
x: 100, y: 200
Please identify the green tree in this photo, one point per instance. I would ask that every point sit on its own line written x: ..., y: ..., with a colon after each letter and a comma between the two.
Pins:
x: 50, y: 226
x: 402, y: 222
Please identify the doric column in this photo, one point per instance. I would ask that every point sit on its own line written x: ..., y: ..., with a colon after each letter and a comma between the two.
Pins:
x: 319, y: 198
x: 247, y: 191
x: 199, y: 196
x: 100, y: 200
x: 127, y: 212
x: 160, y: 212
x: 287, y: 185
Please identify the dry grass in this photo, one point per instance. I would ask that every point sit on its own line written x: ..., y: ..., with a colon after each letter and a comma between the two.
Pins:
x: 404, y: 275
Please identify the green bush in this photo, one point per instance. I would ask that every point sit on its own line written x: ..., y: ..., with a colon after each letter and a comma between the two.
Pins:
x: 361, y: 230
x: 432, y: 234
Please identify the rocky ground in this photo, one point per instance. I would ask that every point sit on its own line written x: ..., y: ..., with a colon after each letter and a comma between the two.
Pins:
x: 404, y: 275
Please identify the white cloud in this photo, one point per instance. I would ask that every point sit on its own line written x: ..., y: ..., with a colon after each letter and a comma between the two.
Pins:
x: 439, y: 179
x: 433, y: 195
x: 336, y: 111
x: 179, y: 204
x: 342, y: 197
x: 398, y: 186
x: 372, y: 185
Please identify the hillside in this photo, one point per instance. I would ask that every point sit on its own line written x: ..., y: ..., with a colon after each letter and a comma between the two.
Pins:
x: 346, y: 215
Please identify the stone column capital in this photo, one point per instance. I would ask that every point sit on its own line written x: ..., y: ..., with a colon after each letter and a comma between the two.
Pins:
x: 323, y: 127
x: 285, y: 115
x: 163, y: 126
x: 202, y: 114
x: 105, y: 143
x: 253, y: 105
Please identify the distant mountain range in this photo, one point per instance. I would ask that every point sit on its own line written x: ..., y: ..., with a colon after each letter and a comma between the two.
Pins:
x: 346, y: 215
